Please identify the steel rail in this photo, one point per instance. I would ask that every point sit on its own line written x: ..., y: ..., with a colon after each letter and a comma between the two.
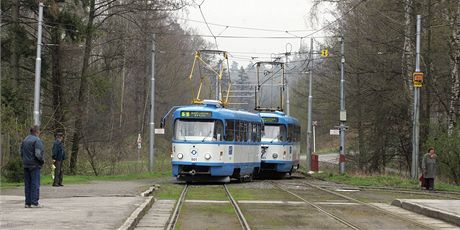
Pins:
x: 175, y: 215
x: 243, y: 222
x: 366, y: 204
x: 341, y: 220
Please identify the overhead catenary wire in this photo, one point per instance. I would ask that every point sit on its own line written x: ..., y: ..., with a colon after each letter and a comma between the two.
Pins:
x: 207, y: 25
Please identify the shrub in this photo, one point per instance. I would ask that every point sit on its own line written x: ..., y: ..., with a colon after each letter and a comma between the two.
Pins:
x: 13, y: 170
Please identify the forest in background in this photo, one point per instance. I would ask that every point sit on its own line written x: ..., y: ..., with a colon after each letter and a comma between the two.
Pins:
x: 96, y: 69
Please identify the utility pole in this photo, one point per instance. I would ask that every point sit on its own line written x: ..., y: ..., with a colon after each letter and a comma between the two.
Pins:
x: 38, y: 66
x: 310, y: 99
x: 416, y: 113
x: 152, y: 109
x: 288, y: 103
x: 343, y: 112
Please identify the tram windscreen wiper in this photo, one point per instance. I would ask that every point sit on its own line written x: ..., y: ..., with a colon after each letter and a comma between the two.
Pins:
x: 210, y: 132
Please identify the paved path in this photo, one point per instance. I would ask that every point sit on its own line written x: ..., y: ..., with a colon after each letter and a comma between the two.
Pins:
x: 97, y: 205
x: 447, y: 210
x: 157, y: 217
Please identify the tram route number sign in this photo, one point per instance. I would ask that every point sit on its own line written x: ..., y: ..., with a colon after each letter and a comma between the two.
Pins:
x: 324, y: 53
x: 270, y: 119
x: 196, y: 114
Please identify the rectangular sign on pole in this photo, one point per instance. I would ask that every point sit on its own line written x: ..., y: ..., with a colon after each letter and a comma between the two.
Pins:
x: 334, y: 132
x: 159, y: 131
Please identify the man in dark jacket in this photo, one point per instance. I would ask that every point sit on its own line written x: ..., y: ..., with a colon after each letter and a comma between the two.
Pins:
x: 58, y: 156
x: 32, y: 154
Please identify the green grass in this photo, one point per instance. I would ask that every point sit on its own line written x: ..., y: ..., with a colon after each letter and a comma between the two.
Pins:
x: 260, y: 194
x: 169, y: 191
x: 79, y: 179
x: 206, y: 192
x: 381, y: 181
x: 215, y: 209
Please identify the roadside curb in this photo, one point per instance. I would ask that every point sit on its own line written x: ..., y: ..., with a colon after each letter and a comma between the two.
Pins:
x: 131, y: 222
x: 427, y: 211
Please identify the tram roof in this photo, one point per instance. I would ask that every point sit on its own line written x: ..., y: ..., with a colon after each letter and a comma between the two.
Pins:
x: 282, y: 117
x: 218, y: 113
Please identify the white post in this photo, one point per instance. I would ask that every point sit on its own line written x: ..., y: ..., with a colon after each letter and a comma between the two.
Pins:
x: 152, y: 110
x: 314, y: 137
x: 342, y: 107
x: 310, y: 100
x: 415, y: 125
x: 38, y: 63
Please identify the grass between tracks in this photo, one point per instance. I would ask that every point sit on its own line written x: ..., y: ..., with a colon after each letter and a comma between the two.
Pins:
x: 80, y: 179
x: 381, y: 181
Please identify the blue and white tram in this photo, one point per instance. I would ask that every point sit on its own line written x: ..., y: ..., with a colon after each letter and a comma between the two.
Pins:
x: 214, y: 143
x: 280, y: 144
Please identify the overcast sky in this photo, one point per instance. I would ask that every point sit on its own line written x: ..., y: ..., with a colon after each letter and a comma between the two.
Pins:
x: 288, y: 15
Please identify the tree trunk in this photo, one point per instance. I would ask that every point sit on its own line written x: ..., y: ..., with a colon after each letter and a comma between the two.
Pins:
x: 14, y: 44
x: 425, y: 120
x: 454, y: 70
x: 81, y: 103
x: 58, y: 100
x: 407, y: 62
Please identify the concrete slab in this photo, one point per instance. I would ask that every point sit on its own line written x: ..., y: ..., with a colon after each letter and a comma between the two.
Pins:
x: 67, y: 213
x: 446, y: 210
x: 428, y: 221
x: 158, y: 216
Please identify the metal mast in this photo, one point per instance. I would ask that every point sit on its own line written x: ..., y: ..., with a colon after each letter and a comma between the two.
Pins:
x: 38, y: 66
x: 310, y: 99
x: 416, y: 114
x: 152, y: 109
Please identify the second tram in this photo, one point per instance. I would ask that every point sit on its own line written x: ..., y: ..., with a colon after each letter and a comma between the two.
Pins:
x: 280, y: 143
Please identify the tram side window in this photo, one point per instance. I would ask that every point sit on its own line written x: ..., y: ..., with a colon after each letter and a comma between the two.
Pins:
x: 283, y: 133
x: 230, y: 131
x: 218, y: 131
x: 249, y: 132
x: 237, y: 131
x: 254, y: 132
x: 244, y: 131
x: 259, y: 132
x: 291, y: 133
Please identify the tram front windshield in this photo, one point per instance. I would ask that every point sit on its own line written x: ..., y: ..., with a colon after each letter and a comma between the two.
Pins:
x: 274, y: 133
x: 198, y: 130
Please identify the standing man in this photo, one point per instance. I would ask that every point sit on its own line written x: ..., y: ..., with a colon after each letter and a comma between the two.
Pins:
x: 32, y: 154
x: 58, y: 156
x: 429, y: 168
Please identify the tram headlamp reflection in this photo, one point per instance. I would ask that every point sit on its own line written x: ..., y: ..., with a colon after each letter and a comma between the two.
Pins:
x: 275, y: 155
x: 207, y: 156
x: 180, y: 155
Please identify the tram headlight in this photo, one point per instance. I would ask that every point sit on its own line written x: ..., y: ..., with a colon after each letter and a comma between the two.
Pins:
x: 275, y: 155
x: 180, y: 155
x: 207, y: 156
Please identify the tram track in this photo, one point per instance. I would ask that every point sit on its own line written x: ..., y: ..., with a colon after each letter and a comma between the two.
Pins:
x: 239, y: 213
x: 365, y: 204
x: 175, y: 214
x: 341, y: 220
x: 180, y: 202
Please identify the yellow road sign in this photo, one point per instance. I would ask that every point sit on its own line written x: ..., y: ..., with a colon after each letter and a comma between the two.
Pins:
x: 324, y: 53
x: 417, y: 78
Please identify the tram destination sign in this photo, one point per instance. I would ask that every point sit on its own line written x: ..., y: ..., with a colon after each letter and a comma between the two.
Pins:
x: 270, y: 119
x: 196, y: 114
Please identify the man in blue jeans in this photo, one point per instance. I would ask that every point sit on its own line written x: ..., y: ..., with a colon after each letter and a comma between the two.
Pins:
x: 32, y: 154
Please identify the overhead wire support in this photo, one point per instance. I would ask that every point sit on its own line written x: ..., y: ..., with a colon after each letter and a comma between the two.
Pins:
x: 310, y: 101
x: 207, y: 25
